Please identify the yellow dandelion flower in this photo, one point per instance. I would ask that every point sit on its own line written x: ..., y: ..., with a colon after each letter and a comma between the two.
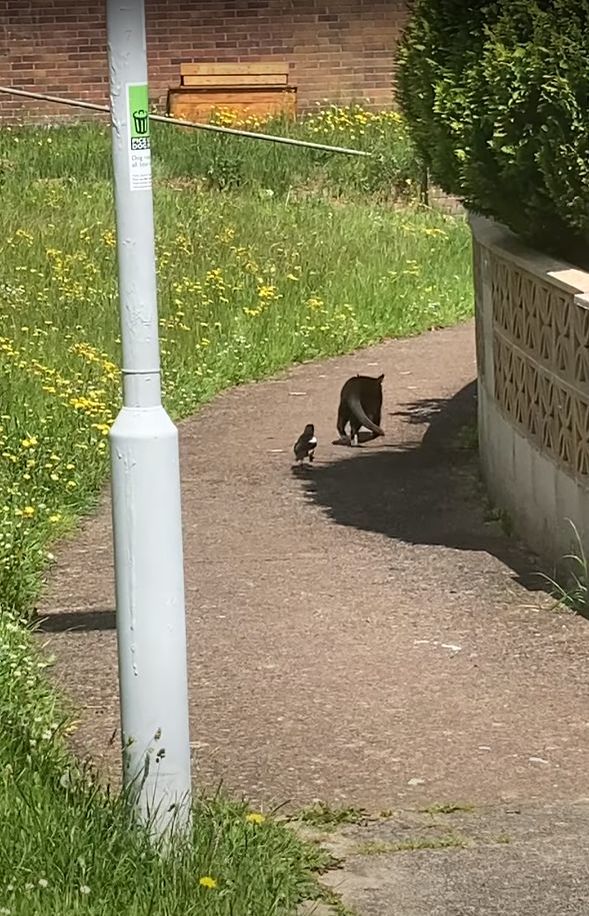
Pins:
x: 22, y: 234
x: 28, y: 511
x: 208, y: 882
x: 31, y: 442
x: 255, y: 817
x: 314, y: 302
x: 267, y: 292
x: 55, y: 518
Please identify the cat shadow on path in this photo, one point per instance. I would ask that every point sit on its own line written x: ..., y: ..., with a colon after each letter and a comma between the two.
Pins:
x: 427, y: 492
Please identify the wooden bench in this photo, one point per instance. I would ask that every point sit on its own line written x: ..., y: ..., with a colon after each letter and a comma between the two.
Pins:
x: 259, y: 89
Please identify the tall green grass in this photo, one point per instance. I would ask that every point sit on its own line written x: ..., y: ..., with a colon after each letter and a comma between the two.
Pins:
x: 218, y: 161
x: 280, y: 266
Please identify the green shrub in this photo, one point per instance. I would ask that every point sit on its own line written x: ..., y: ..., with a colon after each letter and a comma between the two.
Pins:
x: 496, y: 96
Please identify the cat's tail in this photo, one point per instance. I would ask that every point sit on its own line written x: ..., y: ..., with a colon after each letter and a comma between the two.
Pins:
x: 355, y: 406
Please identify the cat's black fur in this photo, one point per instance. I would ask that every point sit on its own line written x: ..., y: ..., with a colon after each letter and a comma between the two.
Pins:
x: 360, y: 405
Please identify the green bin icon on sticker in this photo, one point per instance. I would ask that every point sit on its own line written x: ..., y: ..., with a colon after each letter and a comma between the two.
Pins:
x: 140, y: 121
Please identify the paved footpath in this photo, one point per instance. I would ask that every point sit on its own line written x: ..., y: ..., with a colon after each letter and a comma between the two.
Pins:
x: 360, y: 633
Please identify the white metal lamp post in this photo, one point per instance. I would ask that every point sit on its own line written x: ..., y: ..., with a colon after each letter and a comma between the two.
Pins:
x: 145, y: 469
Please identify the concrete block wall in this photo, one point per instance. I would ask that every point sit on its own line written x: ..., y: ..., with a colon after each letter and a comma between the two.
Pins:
x: 532, y: 328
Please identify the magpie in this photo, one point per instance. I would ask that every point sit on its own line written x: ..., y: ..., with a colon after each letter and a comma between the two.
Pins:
x: 306, y: 444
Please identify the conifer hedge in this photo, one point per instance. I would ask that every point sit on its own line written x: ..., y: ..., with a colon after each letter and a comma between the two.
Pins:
x: 496, y: 96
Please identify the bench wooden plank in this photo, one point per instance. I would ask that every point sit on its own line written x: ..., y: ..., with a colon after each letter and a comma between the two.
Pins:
x: 233, y: 69
x: 268, y: 79
x: 197, y: 104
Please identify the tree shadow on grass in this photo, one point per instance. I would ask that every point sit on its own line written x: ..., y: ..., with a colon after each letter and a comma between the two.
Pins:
x: 426, y: 493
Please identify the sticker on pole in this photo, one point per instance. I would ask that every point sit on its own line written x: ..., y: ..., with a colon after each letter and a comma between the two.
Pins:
x: 139, y: 147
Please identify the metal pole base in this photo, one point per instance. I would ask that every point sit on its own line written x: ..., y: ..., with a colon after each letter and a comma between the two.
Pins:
x: 150, y: 615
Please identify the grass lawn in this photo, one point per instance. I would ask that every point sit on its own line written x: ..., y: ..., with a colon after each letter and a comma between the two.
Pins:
x: 266, y: 256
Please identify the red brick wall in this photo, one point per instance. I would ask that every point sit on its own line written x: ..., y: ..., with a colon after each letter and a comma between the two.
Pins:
x: 341, y: 50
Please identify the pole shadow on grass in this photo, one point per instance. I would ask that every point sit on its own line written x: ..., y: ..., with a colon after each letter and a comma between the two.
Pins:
x: 426, y: 493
